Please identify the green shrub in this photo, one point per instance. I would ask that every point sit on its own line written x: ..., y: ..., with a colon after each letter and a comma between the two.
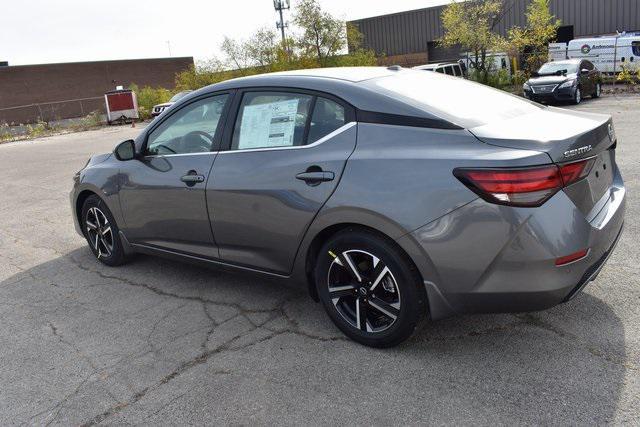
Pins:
x: 627, y: 75
x: 148, y: 97
x: 203, y: 75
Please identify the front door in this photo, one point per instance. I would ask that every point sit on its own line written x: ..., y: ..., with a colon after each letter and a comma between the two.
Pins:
x: 286, y: 153
x: 586, y: 80
x: 163, y: 193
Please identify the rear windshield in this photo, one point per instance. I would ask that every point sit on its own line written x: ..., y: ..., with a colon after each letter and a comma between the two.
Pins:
x: 462, y: 102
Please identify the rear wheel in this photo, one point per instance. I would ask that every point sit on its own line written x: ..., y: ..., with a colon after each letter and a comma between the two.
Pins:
x: 597, y: 92
x: 577, y: 96
x: 101, y: 231
x: 369, y: 289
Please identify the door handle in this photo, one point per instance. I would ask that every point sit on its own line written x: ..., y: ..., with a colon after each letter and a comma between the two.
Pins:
x: 192, y: 178
x: 315, y: 177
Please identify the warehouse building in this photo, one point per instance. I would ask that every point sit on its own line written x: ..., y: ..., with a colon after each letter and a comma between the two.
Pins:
x: 59, y: 91
x: 410, y: 38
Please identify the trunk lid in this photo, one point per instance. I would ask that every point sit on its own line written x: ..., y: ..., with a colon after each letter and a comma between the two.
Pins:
x: 565, y: 136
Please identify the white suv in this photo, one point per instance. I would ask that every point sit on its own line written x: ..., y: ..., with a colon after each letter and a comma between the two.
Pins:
x: 450, y: 68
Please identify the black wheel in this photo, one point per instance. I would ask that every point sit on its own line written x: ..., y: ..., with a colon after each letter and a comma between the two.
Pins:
x: 101, y: 232
x: 577, y: 96
x: 597, y: 92
x: 369, y: 289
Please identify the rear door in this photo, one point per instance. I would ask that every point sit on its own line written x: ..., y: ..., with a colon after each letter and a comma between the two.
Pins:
x: 163, y: 193
x: 285, y: 153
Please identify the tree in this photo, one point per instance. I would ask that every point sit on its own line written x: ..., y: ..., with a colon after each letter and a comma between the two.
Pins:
x: 322, y: 35
x: 541, y: 29
x: 259, y: 50
x: 320, y: 43
x: 262, y: 47
x: 470, y: 25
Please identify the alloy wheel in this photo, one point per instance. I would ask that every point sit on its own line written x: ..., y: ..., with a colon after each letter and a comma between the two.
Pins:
x: 578, y: 96
x: 99, y: 232
x: 598, y: 90
x: 363, y: 290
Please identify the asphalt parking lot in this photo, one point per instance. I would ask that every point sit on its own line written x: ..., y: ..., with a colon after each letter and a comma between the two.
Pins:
x: 158, y: 341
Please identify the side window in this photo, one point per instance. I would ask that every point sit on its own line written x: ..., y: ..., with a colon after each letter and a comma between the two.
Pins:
x: 271, y: 119
x: 327, y: 117
x: 440, y: 70
x: 635, y: 47
x: 449, y: 70
x: 457, y: 70
x: 191, y: 129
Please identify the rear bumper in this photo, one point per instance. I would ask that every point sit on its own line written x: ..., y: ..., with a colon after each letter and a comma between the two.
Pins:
x: 488, y: 258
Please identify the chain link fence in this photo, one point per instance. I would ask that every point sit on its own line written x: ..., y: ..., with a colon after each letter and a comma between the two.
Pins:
x: 51, y: 111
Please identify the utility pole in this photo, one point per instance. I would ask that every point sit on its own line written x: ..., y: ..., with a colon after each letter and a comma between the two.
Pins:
x: 279, y: 6
x: 169, y: 46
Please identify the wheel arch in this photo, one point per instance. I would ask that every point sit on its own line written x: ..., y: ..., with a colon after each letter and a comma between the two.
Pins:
x: 320, y: 237
x: 80, y: 199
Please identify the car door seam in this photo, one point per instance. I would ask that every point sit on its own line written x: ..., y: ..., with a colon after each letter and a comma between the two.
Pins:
x: 335, y: 188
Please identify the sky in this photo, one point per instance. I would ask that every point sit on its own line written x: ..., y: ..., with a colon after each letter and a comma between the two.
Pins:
x: 50, y: 31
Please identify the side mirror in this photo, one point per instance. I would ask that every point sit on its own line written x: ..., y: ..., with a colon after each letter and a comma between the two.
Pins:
x: 125, y: 150
x: 584, y: 71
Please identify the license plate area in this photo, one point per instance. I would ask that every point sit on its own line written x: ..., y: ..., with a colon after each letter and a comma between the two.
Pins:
x: 600, y: 178
x: 586, y: 193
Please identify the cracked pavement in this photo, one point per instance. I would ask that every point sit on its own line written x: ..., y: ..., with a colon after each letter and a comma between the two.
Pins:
x: 161, y: 342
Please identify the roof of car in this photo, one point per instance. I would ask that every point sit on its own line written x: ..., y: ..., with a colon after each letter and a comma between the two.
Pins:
x: 350, y: 74
x: 360, y: 87
x: 567, y: 61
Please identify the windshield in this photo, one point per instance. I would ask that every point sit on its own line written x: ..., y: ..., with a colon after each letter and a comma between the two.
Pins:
x: 462, y: 102
x: 178, y: 95
x: 555, y: 67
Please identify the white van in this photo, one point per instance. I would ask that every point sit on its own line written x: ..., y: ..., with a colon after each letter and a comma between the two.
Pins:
x: 603, y: 52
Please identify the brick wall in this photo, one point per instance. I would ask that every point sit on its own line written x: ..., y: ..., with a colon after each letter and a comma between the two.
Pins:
x: 59, y: 91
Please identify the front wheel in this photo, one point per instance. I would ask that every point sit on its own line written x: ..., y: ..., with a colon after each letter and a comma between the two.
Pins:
x: 101, y: 231
x: 369, y: 288
x: 577, y: 96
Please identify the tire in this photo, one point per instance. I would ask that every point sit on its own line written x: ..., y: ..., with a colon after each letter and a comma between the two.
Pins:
x: 385, y: 286
x: 597, y: 92
x: 102, y: 232
x: 577, y: 96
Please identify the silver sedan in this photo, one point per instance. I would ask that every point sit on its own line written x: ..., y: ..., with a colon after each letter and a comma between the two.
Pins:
x: 391, y: 194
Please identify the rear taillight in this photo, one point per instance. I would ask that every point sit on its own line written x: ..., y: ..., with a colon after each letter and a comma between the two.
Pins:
x: 527, y: 187
x: 573, y: 172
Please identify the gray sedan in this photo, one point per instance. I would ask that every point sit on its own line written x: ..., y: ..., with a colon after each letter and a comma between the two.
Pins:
x: 391, y: 194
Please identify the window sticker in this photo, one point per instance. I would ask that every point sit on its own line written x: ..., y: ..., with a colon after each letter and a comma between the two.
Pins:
x: 268, y: 125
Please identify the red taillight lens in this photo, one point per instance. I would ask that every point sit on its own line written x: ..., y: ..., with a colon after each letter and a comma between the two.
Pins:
x: 527, y: 187
x: 572, y: 172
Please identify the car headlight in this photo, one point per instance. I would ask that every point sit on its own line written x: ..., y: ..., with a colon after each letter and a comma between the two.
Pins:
x: 568, y: 83
x: 526, y: 86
